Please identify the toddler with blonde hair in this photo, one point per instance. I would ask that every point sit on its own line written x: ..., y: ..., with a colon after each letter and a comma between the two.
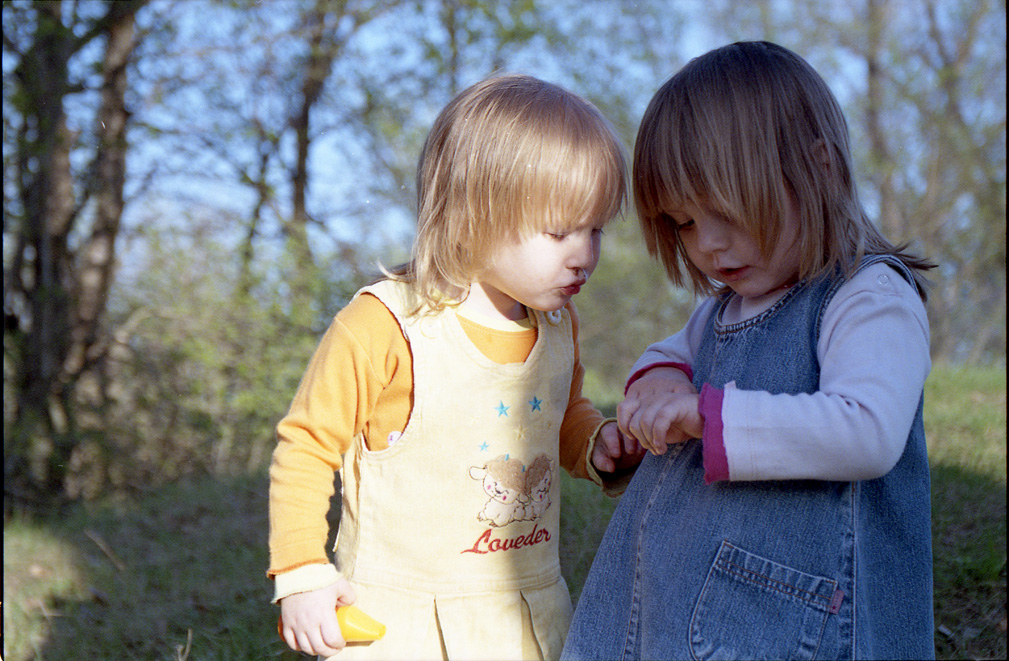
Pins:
x: 438, y: 388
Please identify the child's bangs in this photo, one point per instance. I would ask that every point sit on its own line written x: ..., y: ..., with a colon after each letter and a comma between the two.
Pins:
x: 675, y: 174
x: 572, y: 185
x: 584, y: 194
x: 706, y: 141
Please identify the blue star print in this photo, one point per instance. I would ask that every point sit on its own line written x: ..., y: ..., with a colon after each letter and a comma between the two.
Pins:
x: 535, y: 403
x: 502, y: 410
x: 484, y: 446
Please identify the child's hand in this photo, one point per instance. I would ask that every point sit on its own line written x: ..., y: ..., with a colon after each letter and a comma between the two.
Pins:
x: 657, y: 382
x: 660, y: 379
x: 614, y: 451
x: 309, y: 618
x: 661, y: 418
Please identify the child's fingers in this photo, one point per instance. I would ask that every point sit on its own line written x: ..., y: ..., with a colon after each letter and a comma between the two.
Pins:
x: 657, y: 426
x: 625, y: 410
x: 308, y: 620
x: 631, y: 445
x: 635, y: 416
x: 607, y: 441
x: 602, y: 461
x: 646, y: 443
x: 331, y: 637
x: 641, y: 426
x: 290, y: 638
x: 608, y: 448
x: 324, y: 641
x: 347, y: 596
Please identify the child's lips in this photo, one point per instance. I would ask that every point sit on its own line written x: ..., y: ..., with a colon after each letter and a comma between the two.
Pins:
x: 571, y: 290
x: 732, y: 274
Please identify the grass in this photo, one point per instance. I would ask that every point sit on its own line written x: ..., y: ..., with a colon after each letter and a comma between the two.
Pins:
x: 965, y: 421
x: 134, y: 580
x: 179, y: 573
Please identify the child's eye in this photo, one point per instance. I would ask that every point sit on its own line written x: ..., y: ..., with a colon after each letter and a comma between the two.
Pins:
x: 679, y: 222
x: 557, y: 236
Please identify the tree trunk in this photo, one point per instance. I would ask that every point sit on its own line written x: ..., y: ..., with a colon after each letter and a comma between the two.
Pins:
x: 61, y: 294
x: 46, y: 191
x: 97, y: 258
x: 322, y: 50
x: 890, y: 221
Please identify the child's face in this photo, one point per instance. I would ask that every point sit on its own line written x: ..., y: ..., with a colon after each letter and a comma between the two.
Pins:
x: 726, y: 253
x: 542, y: 271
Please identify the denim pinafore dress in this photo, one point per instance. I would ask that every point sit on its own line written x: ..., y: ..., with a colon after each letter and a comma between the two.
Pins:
x: 764, y: 570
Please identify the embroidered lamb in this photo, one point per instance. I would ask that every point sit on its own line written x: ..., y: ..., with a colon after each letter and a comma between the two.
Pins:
x: 539, y: 475
x: 504, y: 481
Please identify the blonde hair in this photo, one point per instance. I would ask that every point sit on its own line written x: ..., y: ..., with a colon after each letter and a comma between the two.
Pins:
x: 737, y: 130
x: 507, y: 157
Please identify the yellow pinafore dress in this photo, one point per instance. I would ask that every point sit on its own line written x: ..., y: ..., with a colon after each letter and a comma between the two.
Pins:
x: 450, y: 536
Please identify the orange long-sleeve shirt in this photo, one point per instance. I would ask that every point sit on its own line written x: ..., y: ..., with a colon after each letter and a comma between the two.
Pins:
x: 360, y: 380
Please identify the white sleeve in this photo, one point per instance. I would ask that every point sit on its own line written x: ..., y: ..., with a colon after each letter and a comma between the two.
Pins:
x: 874, y: 357
x: 681, y: 347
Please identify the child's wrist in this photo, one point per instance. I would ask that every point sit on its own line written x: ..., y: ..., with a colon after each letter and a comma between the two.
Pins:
x: 686, y: 369
x: 304, y: 579
x: 590, y: 466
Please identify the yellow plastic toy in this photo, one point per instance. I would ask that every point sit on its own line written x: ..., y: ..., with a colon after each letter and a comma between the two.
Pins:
x: 356, y: 626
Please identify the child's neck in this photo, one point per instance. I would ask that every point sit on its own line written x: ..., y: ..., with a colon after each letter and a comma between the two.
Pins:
x: 741, y: 308
x: 492, y: 303
x: 494, y: 322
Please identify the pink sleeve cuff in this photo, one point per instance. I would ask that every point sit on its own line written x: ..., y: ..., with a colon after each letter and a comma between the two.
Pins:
x: 683, y: 367
x: 716, y: 463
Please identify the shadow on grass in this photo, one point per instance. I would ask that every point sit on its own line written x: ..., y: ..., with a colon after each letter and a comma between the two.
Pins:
x: 969, y: 563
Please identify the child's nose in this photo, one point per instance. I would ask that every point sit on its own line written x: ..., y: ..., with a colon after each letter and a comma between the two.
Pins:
x: 712, y: 236
x: 584, y: 254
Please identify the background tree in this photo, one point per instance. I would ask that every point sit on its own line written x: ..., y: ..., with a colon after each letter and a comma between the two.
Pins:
x: 924, y: 89
x: 62, y: 210
x: 158, y: 317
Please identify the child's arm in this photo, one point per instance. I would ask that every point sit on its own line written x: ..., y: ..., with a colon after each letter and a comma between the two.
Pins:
x: 354, y: 364
x: 874, y: 357
x: 309, y: 618
x: 664, y: 370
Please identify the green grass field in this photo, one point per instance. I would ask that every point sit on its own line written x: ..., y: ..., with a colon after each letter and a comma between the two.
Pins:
x: 179, y: 574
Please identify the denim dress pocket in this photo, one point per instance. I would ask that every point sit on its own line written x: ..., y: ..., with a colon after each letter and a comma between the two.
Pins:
x: 754, y: 608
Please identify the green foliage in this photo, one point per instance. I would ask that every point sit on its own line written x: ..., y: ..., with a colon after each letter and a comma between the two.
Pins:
x: 209, y: 364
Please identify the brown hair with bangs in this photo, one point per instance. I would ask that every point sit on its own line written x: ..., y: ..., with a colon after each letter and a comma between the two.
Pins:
x: 737, y: 130
x: 507, y: 157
